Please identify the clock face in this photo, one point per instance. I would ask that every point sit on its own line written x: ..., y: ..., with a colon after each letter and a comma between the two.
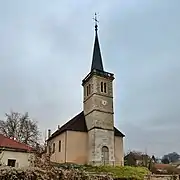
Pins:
x: 104, y: 102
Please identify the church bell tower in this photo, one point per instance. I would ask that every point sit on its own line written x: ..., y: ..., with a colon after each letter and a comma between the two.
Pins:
x: 98, y: 109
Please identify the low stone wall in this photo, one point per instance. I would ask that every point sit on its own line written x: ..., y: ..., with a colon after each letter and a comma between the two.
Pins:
x: 42, y: 174
x: 161, y: 177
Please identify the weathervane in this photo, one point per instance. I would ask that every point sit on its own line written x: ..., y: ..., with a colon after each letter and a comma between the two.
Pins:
x: 96, y: 21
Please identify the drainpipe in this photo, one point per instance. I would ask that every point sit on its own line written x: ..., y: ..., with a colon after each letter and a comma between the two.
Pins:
x: 65, y: 146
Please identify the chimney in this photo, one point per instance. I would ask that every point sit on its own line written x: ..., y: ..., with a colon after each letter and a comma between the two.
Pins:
x: 49, y: 133
x: 59, y: 126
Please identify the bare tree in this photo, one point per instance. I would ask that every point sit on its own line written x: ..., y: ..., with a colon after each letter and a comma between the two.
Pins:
x: 21, y: 127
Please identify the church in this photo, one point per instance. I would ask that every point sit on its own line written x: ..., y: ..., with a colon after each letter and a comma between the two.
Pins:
x: 90, y: 137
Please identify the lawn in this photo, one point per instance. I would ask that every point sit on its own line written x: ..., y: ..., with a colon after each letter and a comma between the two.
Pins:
x: 126, y: 172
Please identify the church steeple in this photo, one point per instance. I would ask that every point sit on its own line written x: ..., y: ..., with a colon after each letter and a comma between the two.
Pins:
x: 97, y: 63
x: 98, y: 110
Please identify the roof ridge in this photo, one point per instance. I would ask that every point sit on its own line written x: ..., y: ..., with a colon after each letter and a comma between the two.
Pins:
x: 76, y: 117
x: 71, y: 121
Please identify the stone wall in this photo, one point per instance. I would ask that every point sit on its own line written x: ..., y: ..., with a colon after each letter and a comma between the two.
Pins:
x: 162, y: 177
x: 98, y: 106
x: 97, y: 139
x: 42, y: 174
x: 99, y: 116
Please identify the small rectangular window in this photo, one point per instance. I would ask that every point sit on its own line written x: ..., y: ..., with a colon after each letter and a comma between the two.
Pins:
x: 89, y: 89
x: 53, y: 151
x: 11, y: 162
x: 59, y: 146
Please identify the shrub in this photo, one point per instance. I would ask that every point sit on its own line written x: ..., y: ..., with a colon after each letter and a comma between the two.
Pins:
x: 9, y: 173
x: 68, y: 172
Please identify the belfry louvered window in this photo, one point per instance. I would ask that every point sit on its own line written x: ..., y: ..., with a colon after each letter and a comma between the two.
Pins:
x: 88, y: 90
x: 103, y: 87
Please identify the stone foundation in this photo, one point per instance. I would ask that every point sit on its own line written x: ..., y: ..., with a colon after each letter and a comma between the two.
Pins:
x: 101, y: 163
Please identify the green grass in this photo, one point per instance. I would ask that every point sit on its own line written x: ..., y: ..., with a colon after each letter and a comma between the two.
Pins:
x: 126, y: 172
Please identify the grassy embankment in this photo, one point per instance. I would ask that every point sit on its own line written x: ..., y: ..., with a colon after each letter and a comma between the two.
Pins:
x: 124, y: 172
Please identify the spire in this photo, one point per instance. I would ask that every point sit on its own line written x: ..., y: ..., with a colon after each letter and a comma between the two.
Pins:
x: 96, y: 59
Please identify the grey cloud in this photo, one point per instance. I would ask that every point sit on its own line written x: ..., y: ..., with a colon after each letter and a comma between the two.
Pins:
x: 149, y: 72
x: 46, y: 49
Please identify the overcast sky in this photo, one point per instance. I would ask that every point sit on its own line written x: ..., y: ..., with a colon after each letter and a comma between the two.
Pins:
x: 46, y: 50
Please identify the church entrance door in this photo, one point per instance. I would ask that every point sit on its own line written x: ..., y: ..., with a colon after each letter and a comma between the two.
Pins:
x: 105, y: 155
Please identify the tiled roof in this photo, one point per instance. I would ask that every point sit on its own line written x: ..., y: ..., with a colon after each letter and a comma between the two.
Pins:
x: 78, y: 123
x: 6, y: 142
x: 162, y: 166
x: 137, y: 155
x: 176, y: 162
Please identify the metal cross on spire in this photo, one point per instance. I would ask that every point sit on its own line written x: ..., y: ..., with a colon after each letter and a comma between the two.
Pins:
x: 96, y: 21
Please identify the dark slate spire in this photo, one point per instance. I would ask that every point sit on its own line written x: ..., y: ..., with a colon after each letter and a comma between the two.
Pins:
x: 96, y: 60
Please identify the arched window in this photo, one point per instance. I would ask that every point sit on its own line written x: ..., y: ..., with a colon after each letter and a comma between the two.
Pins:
x: 105, y: 155
x: 104, y: 87
x: 101, y: 86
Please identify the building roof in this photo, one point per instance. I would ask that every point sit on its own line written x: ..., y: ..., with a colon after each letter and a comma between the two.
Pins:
x: 176, y: 162
x: 136, y: 155
x: 97, y: 63
x: 162, y: 166
x: 78, y: 123
x: 6, y: 142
